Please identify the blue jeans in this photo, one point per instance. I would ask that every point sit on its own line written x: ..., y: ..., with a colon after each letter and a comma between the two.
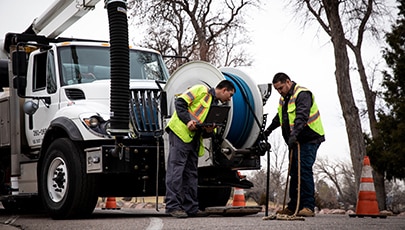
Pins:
x: 307, y: 188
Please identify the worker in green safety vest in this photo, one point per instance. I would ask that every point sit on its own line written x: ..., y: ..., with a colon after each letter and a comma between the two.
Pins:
x: 185, y: 138
x: 300, y: 122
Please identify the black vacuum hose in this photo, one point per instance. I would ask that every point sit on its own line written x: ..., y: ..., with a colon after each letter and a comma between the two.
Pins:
x: 119, y: 59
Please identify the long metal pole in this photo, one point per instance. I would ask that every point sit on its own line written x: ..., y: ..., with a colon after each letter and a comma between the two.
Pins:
x: 267, y: 184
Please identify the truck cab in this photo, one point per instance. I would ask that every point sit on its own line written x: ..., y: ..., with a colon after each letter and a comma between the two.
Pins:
x: 71, y: 80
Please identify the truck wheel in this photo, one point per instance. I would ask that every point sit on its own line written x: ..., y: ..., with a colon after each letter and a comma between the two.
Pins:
x: 213, y: 196
x: 67, y: 191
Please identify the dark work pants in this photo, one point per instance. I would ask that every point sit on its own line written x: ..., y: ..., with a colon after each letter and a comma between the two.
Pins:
x: 181, y: 175
x: 307, y: 194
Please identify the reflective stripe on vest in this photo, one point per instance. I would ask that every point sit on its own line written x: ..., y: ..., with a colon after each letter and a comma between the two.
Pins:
x: 199, y: 100
x: 314, y: 119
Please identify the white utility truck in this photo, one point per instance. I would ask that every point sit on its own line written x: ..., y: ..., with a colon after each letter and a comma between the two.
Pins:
x: 82, y: 119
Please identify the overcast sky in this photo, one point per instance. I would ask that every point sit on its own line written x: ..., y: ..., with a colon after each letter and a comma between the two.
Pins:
x: 279, y: 45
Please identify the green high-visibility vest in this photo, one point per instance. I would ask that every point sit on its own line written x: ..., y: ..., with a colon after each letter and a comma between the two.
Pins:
x: 314, y: 120
x: 199, y: 101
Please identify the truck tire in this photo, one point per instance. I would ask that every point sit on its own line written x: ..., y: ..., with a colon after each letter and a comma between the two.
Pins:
x: 213, y: 196
x: 67, y: 191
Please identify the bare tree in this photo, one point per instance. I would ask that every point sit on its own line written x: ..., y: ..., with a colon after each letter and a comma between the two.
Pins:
x: 346, y: 22
x: 396, y: 196
x: 279, y: 167
x: 278, y: 174
x: 341, y: 176
x: 204, y: 30
x: 331, y: 171
x: 325, y: 196
x: 349, y: 192
x: 258, y: 191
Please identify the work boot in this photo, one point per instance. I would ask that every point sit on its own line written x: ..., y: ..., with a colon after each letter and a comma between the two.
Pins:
x: 199, y: 213
x: 285, y: 211
x: 178, y: 214
x: 306, y: 212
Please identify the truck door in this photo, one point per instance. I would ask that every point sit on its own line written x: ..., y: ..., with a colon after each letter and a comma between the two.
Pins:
x: 42, y: 81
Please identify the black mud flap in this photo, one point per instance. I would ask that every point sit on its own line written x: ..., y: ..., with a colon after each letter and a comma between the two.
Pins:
x: 233, y: 210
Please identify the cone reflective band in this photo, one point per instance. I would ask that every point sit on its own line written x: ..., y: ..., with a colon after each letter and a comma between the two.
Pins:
x: 238, y: 197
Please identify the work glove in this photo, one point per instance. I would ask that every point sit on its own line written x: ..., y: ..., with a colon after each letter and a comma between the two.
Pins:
x: 292, y: 141
x: 267, y: 132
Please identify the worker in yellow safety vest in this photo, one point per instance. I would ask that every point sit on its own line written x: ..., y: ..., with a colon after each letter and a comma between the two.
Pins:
x: 300, y: 122
x: 185, y: 137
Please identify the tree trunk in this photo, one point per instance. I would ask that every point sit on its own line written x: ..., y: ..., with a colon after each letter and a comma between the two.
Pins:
x: 368, y: 93
x: 345, y: 93
x: 203, y: 50
x: 370, y: 97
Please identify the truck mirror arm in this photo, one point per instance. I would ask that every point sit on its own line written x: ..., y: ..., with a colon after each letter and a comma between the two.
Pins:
x: 163, y: 99
x: 45, y: 100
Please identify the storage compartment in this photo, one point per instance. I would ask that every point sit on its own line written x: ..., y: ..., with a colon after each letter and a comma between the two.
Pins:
x: 28, y: 179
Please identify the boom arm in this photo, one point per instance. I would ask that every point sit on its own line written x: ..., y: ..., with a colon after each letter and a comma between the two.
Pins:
x: 59, y: 16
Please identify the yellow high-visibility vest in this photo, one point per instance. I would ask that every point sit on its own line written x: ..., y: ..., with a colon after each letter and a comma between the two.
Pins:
x: 199, y: 101
x: 314, y: 120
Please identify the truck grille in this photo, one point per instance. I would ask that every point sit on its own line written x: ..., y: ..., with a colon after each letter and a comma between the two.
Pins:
x: 145, y: 114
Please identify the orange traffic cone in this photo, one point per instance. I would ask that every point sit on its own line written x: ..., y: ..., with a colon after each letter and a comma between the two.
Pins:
x: 367, y: 204
x: 238, y: 197
x: 111, y: 203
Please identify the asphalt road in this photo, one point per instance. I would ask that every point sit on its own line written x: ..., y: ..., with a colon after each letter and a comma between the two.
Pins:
x: 151, y: 219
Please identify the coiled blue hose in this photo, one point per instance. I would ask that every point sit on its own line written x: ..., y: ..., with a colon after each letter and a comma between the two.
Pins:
x: 243, y: 111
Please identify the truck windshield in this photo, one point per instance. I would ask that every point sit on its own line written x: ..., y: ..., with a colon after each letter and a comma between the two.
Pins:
x: 83, y: 64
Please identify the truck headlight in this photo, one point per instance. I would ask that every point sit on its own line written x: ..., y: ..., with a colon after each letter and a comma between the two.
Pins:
x: 96, y: 124
x: 92, y: 122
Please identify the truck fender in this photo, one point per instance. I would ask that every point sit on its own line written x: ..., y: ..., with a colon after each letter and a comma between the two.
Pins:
x: 60, y: 127
x: 68, y: 126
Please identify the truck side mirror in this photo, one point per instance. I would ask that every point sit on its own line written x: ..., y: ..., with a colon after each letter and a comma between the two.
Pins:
x: 3, y: 74
x: 19, y: 83
x: 19, y: 62
x: 30, y: 107
x: 163, y: 103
